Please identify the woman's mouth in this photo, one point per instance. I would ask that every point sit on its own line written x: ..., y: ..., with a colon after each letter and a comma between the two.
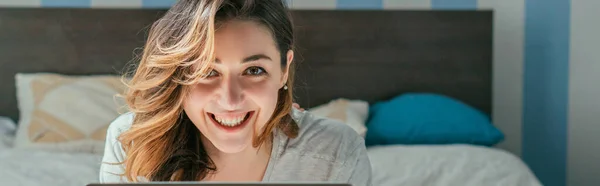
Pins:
x: 231, y: 121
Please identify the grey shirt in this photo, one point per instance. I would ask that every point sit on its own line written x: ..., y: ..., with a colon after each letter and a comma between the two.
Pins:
x: 325, y: 150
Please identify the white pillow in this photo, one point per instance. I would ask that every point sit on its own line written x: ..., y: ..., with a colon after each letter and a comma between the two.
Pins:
x: 7, y: 132
x: 66, y: 113
x: 352, y: 112
x: 7, y: 126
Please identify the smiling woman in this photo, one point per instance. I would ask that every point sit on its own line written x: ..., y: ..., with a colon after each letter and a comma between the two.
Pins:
x: 211, y: 100
x: 242, y: 86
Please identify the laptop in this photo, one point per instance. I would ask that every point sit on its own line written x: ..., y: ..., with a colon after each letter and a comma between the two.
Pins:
x: 222, y: 184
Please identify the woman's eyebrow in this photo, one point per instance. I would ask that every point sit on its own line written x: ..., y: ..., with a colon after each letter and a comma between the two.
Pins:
x: 251, y: 58
x: 256, y: 57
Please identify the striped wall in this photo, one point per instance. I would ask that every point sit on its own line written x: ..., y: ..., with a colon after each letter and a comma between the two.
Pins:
x: 545, y: 90
x: 583, y: 103
x: 546, y: 60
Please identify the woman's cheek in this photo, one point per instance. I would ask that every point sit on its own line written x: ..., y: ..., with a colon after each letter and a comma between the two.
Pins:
x: 200, y: 95
x: 263, y: 93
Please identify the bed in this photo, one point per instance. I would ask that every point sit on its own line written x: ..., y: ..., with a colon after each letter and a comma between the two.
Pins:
x: 364, y: 57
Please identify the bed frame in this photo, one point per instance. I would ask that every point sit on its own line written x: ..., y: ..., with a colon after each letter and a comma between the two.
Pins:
x: 358, y: 54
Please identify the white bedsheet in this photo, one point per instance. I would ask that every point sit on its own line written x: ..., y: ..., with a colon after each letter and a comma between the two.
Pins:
x: 444, y: 165
x: 41, y: 168
x: 392, y: 166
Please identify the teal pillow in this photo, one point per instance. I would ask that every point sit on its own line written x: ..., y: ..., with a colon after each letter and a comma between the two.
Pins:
x: 426, y: 118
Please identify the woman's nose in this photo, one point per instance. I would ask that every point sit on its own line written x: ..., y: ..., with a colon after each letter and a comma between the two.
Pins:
x: 232, y: 96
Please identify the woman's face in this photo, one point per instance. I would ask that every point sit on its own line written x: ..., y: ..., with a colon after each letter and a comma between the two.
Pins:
x: 239, y: 95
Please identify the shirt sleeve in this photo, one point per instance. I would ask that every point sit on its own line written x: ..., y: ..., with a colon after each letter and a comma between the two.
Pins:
x: 357, y: 170
x: 111, y: 167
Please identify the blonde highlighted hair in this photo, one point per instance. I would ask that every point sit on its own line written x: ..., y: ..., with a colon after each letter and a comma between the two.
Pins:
x: 162, y: 143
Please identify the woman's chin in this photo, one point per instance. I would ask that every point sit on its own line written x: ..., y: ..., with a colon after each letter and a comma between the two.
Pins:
x: 232, y: 146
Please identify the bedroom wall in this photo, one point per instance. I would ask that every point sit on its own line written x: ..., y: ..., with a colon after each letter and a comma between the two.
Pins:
x: 584, y: 106
x: 545, y: 54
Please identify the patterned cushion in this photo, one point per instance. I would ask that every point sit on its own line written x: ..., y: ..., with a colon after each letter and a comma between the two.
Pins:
x: 351, y: 112
x: 66, y: 113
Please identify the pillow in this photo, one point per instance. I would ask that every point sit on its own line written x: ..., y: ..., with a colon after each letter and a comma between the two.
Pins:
x: 7, y: 126
x: 352, y: 112
x: 425, y: 118
x: 66, y: 113
x: 7, y: 132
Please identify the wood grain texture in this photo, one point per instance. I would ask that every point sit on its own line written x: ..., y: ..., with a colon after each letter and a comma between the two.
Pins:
x: 376, y: 55
x: 368, y: 55
x: 66, y: 41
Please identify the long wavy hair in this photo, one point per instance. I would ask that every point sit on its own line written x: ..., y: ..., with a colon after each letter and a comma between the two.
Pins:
x: 162, y: 143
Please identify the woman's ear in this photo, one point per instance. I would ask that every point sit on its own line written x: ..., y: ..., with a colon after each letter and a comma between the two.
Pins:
x: 290, y: 59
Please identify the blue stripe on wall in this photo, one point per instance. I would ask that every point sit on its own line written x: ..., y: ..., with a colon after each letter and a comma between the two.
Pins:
x: 546, y: 78
x: 158, y: 3
x: 454, y: 4
x: 66, y: 3
x: 359, y: 4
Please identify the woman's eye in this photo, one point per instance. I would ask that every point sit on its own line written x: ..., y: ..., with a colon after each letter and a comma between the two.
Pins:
x: 255, y: 71
x: 211, y: 74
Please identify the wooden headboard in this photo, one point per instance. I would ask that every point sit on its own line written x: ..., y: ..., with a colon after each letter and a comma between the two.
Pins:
x: 368, y: 55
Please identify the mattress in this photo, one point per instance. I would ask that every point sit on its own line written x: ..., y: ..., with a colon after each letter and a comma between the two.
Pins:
x: 35, y: 167
x: 443, y: 165
x: 392, y: 166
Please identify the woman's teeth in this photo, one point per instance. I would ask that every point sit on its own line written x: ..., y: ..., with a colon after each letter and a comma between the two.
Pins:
x: 230, y: 121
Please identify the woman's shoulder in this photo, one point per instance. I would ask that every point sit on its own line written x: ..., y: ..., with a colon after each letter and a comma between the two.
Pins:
x: 323, y: 136
x: 113, y: 151
x: 324, y: 150
x: 121, y: 123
